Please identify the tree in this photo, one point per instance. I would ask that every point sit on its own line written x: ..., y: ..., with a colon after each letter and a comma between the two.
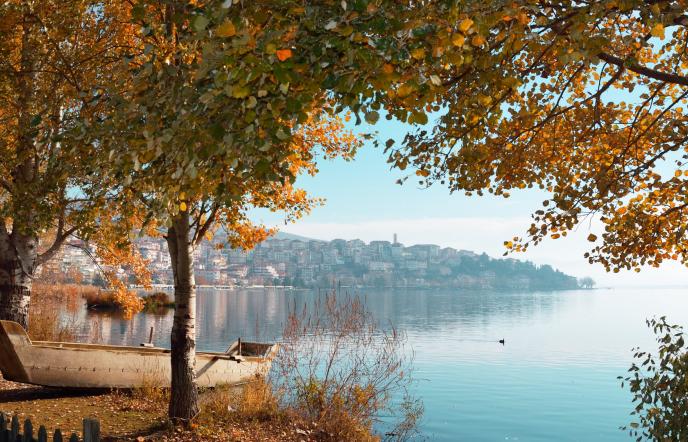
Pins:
x: 52, y: 53
x: 227, y: 104
x: 583, y: 100
x: 586, y: 282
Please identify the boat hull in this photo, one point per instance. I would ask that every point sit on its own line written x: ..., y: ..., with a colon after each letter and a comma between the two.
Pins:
x: 75, y: 365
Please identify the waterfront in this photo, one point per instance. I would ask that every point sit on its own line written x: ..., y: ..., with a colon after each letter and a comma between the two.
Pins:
x: 554, y: 379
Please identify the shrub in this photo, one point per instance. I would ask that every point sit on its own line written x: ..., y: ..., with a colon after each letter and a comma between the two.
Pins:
x: 339, y: 369
x: 659, y: 385
x: 100, y: 299
x: 254, y: 400
x: 158, y: 302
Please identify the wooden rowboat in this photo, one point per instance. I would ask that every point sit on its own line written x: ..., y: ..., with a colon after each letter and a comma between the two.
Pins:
x: 73, y: 365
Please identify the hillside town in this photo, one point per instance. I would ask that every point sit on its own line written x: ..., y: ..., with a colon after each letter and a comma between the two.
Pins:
x: 301, y: 262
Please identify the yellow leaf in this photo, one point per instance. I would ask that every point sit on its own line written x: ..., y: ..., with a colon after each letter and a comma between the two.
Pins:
x: 182, y: 196
x: 182, y: 206
x: 387, y: 68
x: 592, y: 237
x: 418, y: 53
x: 465, y: 25
x: 404, y: 90
x: 226, y: 29
x: 241, y: 92
x: 458, y: 40
x: 658, y: 31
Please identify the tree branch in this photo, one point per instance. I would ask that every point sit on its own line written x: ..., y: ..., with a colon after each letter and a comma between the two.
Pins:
x: 60, y: 238
x: 644, y: 70
x: 203, y: 229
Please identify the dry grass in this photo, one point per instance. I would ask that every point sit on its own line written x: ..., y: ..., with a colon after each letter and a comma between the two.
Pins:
x: 252, y: 401
x: 47, y: 324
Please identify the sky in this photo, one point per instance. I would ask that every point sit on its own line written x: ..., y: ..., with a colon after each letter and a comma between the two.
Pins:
x: 363, y: 201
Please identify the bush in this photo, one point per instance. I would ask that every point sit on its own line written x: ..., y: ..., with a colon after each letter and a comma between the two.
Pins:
x: 100, y: 299
x: 253, y: 401
x: 158, y: 301
x: 340, y: 370
x: 659, y: 385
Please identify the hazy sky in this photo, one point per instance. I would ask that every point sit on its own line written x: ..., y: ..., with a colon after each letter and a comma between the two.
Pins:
x: 363, y: 201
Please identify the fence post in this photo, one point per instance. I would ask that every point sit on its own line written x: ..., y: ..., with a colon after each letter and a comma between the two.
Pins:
x: 28, y: 431
x: 14, y: 432
x: 91, y: 430
x: 57, y: 437
x: 4, y: 432
x: 42, y: 434
x: 74, y: 438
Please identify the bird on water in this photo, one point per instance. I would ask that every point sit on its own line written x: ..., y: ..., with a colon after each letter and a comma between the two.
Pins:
x: 501, y: 341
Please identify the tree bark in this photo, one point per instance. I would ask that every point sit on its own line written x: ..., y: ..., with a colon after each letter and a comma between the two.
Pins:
x: 18, y: 255
x: 184, y: 394
x: 18, y: 249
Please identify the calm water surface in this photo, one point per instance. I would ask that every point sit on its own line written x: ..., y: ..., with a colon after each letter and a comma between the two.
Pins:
x: 555, y: 379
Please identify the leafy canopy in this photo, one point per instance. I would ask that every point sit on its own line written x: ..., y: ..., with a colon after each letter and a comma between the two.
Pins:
x: 226, y: 97
x: 584, y: 100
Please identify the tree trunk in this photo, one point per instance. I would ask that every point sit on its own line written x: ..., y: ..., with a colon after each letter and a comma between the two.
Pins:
x: 184, y: 395
x: 18, y: 255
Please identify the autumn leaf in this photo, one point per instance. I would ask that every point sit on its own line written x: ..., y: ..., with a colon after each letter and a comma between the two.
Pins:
x: 226, y: 29
x: 283, y: 54
x: 458, y: 40
x: 418, y: 53
x: 658, y: 30
x: 478, y: 40
x: 465, y: 25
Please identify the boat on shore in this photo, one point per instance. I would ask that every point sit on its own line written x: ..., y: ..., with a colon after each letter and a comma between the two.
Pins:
x: 75, y: 365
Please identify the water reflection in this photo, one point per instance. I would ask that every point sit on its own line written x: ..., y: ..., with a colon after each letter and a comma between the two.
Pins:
x: 555, y: 379
x: 261, y: 314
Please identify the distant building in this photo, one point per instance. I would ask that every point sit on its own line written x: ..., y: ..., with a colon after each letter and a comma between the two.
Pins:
x: 321, y: 263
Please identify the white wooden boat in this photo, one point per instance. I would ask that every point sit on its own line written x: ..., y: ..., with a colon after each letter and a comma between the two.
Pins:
x: 74, y: 365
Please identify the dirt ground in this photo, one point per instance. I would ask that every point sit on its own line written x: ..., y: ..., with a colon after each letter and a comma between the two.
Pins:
x: 126, y: 416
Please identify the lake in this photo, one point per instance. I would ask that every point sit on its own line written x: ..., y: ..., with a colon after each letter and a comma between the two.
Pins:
x: 554, y: 379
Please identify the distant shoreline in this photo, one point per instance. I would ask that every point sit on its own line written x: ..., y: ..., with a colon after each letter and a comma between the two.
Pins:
x: 163, y: 287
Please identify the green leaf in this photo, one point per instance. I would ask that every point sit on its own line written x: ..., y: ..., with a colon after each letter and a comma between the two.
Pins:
x: 372, y: 117
x: 200, y: 22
